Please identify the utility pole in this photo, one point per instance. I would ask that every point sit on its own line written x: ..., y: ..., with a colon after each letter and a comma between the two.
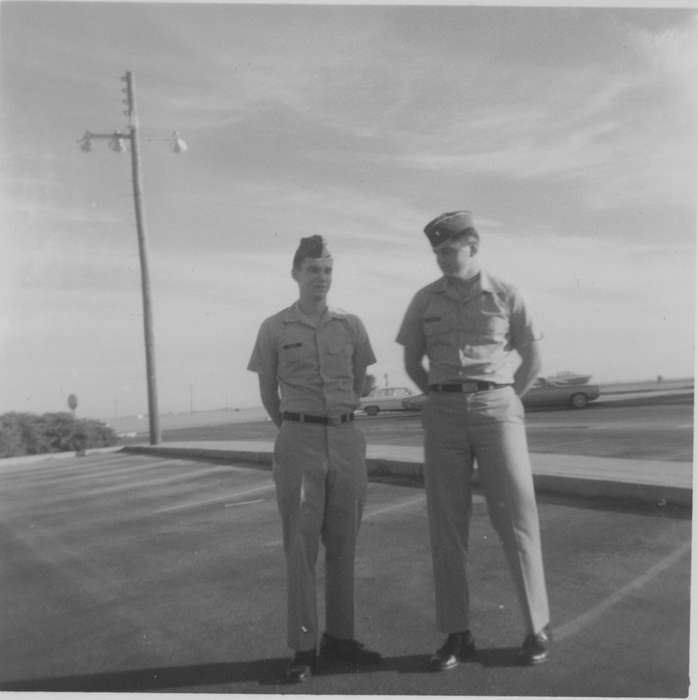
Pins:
x: 116, y: 143
x: 153, y: 412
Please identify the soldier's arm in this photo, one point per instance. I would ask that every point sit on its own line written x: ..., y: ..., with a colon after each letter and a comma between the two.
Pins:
x: 529, y: 369
x: 525, y: 339
x: 411, y: 337
x: 269, y: 392
x: 264, y: 362
x: 363, y: 356
x: 413, y: 356
x: 359, y: 376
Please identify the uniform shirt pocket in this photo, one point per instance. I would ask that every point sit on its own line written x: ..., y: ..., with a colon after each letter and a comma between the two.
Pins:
x: 493, y: 326
x: 292, y: 350
x: 295, y: 354
x: 440, y: 330
x: 337, y: 357
x: 435, y: 325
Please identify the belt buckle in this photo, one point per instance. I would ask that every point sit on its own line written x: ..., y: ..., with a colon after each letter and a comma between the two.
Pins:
x: 334, y: 421
x: 469, y: 387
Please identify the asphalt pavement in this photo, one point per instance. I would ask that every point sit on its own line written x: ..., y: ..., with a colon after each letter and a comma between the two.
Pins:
x: 130, y: 572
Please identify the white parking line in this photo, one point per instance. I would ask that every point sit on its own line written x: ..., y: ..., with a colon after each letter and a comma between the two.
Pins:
x: 585, y: 619
x: 244, y: 503
x: 208, y: 501
x: 395, y: 506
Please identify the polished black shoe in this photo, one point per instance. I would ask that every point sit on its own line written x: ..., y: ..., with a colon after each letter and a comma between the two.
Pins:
x: 536, y: 647
x: 301, y: 666
x: 459, y: 646
x: 347, y: 650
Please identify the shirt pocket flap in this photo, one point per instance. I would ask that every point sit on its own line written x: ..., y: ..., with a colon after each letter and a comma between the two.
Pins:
x: 339, y: 346
x: 292, y: 348
x: 436, y: 324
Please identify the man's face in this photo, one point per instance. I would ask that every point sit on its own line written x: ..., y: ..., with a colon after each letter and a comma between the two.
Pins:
x: 455, y: 257
x: 314, y: 278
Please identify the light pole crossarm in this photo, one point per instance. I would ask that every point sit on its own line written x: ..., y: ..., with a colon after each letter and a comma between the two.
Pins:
x: 116, y: 132
x: 116, y: 140
x: 117, y: 137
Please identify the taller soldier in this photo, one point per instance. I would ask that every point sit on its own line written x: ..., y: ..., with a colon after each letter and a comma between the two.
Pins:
x: 311, y: 361
x: 473, y: 328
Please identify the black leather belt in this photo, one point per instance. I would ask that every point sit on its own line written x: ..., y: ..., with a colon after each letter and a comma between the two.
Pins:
x: 466, y: 387
x: 321, y: 420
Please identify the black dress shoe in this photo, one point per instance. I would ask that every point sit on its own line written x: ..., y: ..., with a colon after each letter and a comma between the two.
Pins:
x: 536, y: 647
x: 301, y: 666
x: 347, y: 650
x: 459, y: 646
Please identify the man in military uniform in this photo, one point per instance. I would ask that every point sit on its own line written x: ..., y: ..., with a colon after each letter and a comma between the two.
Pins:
x: 311, y: 361
x: 468, y: 324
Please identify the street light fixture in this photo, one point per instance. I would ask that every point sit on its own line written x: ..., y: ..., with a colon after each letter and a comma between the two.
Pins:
x: 117, y: 142
x: 178, y: 143
x: 86, y: 142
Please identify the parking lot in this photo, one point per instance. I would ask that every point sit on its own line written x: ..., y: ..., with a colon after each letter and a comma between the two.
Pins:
x: 136, y: 573
x: 649, y: 427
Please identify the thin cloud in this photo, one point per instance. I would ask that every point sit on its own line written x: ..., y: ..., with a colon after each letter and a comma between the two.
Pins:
x: 31, y: 209
x: 672, y: 55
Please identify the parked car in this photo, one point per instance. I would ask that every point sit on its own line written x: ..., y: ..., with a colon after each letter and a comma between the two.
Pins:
x: 415, y: 402
x: 385, y: 399
x: 545, y: 393
x: 548, y: 393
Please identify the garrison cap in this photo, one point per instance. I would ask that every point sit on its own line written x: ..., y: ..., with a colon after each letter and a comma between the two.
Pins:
x: 447, y: 226
x: 310, y: 247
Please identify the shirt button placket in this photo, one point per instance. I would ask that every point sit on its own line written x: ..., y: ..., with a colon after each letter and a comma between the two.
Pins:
x: 321, y: 367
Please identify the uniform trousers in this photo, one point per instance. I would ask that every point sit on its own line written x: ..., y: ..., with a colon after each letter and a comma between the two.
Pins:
x: 320, y: 476
x: 487, y: 427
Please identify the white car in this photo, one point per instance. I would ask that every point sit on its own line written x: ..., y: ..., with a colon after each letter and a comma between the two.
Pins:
x: 389, y: 398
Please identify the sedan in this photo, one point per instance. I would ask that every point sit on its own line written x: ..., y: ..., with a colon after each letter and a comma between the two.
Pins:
x: 385, y: 399
x: 547, y: 393
x: 415, y: 402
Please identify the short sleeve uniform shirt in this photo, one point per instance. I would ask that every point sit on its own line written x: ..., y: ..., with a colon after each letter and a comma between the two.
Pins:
x: 315, y: 364
x: 469, y: 336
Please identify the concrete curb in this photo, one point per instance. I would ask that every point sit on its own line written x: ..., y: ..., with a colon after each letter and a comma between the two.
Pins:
x: 257, y: 457
x: 659, y: 495
x: 31, y: 459
x: 573, y: 485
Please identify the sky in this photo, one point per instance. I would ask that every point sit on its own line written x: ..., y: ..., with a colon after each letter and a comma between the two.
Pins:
x: 569, y: 132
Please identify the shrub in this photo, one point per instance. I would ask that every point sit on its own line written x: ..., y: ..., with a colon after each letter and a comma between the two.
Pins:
x: 31, y: 434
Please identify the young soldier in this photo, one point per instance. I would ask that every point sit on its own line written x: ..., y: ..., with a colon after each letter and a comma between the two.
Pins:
x: 311, y: 361
x: 468, y: 323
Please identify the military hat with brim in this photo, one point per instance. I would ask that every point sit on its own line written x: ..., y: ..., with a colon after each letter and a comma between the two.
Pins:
x: 447, y: 226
